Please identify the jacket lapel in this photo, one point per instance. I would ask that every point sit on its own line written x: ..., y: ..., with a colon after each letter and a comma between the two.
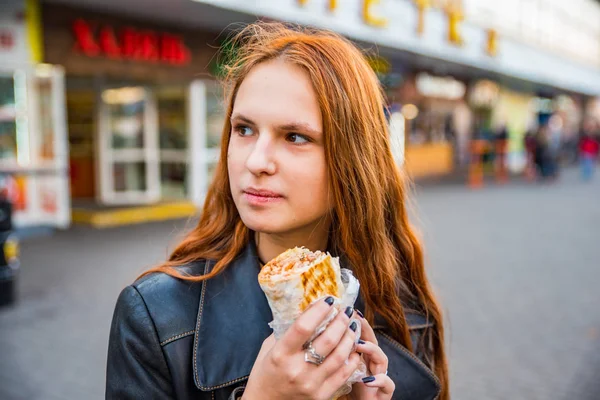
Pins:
x: 232, y: 323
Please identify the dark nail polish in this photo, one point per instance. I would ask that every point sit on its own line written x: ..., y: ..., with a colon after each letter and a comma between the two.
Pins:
x: 368, y: 379
x: 360, y: 314
x: 349, y: 311
x: 360, y: 341
x: 353, y: 326
x: 329, y: 300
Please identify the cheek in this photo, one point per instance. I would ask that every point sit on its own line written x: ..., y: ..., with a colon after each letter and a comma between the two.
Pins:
x: 311, y: 185
x: 235, y: 161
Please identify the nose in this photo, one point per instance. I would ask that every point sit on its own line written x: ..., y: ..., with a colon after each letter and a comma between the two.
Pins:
x: 262, y: 157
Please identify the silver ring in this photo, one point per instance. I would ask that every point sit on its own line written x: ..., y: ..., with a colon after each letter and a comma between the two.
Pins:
x: 311, y: 355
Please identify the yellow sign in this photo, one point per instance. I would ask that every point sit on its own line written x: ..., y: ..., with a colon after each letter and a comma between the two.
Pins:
x: 332, y: 5
x: 371, y: 19
x: 453, y: 9
x: 455, y: 17
x: 367, y: 13
x: 492, y: 42
x: 454, y: 12
x: 422, y: 6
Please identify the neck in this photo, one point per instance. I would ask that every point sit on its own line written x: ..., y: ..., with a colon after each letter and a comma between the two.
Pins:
x: 270, y: 245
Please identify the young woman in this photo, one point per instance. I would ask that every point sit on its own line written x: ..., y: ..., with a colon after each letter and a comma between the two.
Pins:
x: 305, y: 161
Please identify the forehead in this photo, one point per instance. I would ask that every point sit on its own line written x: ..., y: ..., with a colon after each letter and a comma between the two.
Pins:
x: 277, y: 91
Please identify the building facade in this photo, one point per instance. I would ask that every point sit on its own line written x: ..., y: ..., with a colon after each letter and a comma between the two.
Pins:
x: 123, y: 107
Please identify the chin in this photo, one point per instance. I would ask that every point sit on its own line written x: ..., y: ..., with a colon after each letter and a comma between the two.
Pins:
x: 263, y: 224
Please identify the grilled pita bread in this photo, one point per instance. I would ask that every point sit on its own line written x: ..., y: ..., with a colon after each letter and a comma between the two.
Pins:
x: 296, y: 278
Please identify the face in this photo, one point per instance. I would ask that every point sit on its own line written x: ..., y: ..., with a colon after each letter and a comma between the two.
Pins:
x: 276, y: 156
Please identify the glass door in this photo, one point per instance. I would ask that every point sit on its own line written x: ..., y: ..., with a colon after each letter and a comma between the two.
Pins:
x: 128, y: 146
x: 172, y: 106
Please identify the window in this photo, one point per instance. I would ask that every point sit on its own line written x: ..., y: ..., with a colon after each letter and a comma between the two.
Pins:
x: 8, y: 119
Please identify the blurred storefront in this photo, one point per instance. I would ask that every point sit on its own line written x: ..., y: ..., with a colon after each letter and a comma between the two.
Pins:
x: 473, y: 47
x: 96, y: 106
x: 130, y: 87
x: 512, y: 112
x: 431, y: 108
x: 32, y: 136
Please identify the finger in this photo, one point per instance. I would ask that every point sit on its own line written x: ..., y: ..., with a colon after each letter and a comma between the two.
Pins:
x: 339, y: 377
x: 367, y: 332
x: 342, y: 352
x: 306, y: 324
x: 268, y: 344
x: 383, y: 382
x: 331, y: 337
x: 378, y: 361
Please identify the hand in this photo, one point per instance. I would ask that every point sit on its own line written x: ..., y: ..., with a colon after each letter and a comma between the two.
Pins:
x: 379, y: 386
x: 280, y: 371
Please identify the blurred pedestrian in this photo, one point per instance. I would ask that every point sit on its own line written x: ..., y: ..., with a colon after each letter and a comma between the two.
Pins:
x: 462, y: 120
x: 588, y: 154
x: 305, y: 161
x: 555, y: 141
x: 501, y: 150
x: 530, y: 144
x: 485, y: 137
x: 543, y: 155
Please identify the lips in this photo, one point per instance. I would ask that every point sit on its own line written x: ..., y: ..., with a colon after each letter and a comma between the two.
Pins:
x: 262, y: 193
x: 261, y: 197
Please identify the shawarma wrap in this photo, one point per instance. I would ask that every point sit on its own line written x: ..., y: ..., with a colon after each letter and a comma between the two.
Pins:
x: 296, y: 278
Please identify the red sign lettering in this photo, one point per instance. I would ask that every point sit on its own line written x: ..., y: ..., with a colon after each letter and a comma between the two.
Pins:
x: 84, y: 37
x: 131, y: 44
x: 108, y: 43
x: 129, y: 37
x: 148, y: 44
x: 173, y: 51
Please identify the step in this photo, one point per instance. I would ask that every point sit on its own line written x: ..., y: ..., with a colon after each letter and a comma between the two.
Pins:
x: 118, y: 216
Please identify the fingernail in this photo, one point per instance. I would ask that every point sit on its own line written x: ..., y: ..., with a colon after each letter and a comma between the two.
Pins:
x: 360, y: 314
x: 349, y: 311
x: 353, y: 326
x: 329, y: 300
x: 360, y: 341
x: 368, y: 379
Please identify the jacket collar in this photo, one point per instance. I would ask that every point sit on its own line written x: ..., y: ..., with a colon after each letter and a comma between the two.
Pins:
x: 232, y: 322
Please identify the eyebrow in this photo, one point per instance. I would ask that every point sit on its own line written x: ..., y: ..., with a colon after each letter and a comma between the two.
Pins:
x: 293, y: 126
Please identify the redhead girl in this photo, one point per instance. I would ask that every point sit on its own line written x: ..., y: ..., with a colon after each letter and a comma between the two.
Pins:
x: 305, y: 161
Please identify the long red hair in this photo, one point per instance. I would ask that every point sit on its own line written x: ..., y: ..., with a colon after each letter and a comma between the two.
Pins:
x: 370, y: 220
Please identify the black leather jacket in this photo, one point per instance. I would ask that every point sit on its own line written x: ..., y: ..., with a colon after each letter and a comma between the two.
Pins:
x: 182, y: 340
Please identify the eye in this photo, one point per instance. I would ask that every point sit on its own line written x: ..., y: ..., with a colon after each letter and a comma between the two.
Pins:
x: 243, y: 130
x: 296, y: 138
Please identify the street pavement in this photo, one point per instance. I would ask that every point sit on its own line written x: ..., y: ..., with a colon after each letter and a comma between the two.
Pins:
x: 516, y: 267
